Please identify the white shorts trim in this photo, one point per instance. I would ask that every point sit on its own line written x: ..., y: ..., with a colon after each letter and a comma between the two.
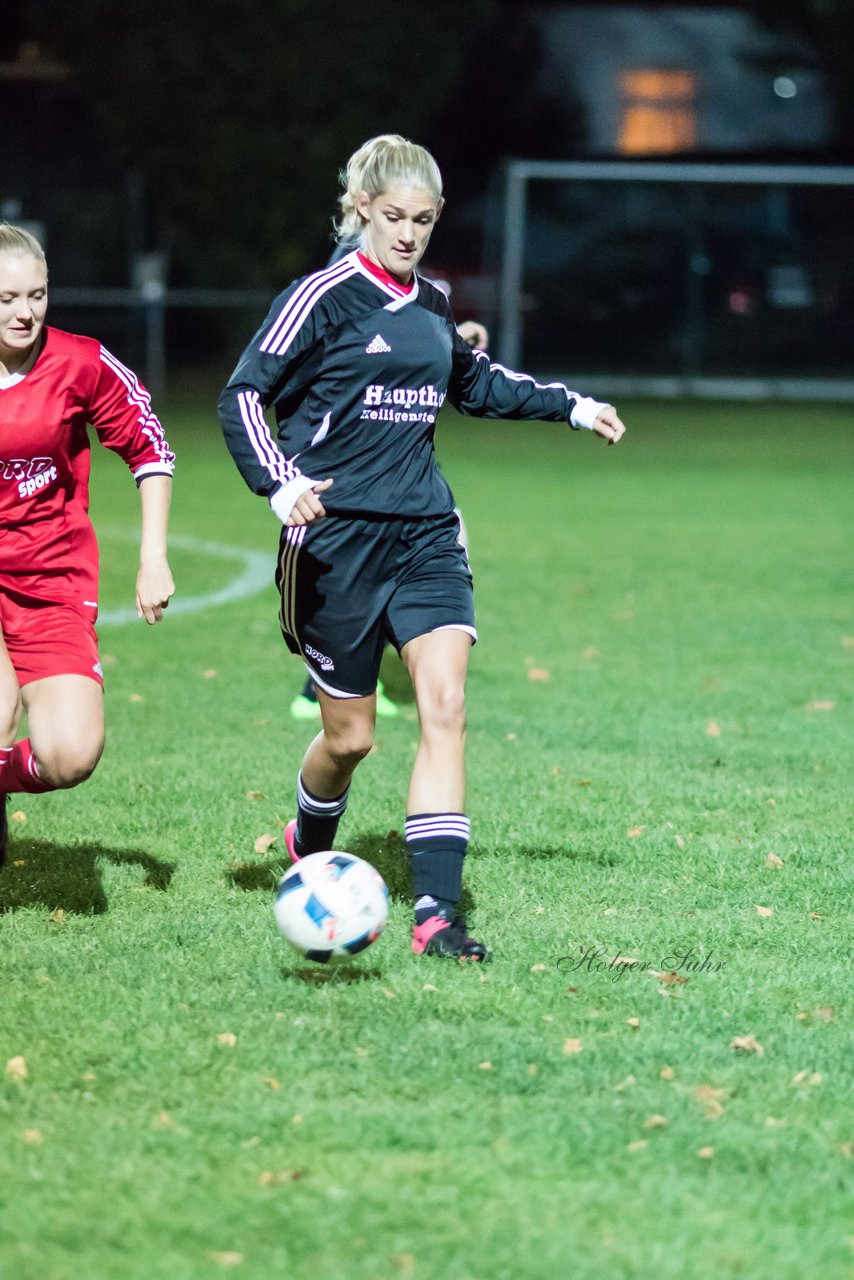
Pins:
x: 330, y: 688
x: 455, y: 626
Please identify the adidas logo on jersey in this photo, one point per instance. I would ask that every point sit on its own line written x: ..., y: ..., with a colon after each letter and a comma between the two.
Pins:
x: 377, y: 346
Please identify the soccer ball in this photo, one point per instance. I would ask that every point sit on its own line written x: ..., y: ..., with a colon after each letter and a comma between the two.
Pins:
x: 330, y: 906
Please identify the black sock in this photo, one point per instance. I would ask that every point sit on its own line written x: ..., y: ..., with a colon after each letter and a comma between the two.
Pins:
x: 317, y: 820
x: 437, y: 844
x: 309, y: 689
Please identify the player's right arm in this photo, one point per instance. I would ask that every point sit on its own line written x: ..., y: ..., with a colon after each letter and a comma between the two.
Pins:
x: 277, y: 363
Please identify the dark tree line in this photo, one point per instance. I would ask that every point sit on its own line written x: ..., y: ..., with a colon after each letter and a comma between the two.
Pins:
x: 239, y: 113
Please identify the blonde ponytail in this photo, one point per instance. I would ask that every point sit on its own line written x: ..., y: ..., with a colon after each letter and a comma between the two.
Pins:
x: 379, y: 163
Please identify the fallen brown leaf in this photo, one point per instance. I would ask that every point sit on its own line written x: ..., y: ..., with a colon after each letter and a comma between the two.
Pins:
x: 255, y: 795
x: 713, y: 729
x: 539, y: 673
x: 18, y: 816
x: 773, y: 861
x: 16, y: 1068
x: 807, y: 1077
x: 484, y: 1066
x: 33, y: 1137
x: 670, y: 978
x: 764, y: 912
x: 637, y: 1145
x: 226, y: 1258
x: 633, y: 832
x: 746, y: 1044
x: 210, y: 673
x: 655, y: 1122
x: 263, y: 843
x: 227, y: 1038
x: 706, y: 1153
x: 634, y: 1023
x: 269, y: 1178
x: 571, y: 1045
x: 710, y: 1099
x: 136, y: 697
x: 821, y: 704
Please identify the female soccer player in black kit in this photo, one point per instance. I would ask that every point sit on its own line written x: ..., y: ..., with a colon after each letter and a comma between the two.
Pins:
x: 356, y: 361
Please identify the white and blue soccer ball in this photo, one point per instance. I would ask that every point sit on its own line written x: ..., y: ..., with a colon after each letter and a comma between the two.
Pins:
x: 330, y: 906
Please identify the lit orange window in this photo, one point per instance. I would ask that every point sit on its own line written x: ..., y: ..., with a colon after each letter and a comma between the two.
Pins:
x: 658, y: 114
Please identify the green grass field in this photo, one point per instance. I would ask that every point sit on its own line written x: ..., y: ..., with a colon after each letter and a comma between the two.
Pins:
x: 661, y: 699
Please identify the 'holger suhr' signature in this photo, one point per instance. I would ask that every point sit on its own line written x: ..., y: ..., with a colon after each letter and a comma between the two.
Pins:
x: 597, y: 960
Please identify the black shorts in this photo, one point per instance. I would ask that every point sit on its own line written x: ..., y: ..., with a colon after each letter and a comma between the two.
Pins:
x: 349, y: 586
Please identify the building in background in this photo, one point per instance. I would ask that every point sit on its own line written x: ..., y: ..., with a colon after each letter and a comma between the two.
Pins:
x: 674, y: 80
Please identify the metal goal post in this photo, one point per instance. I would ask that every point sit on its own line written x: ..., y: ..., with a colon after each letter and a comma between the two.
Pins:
x: 680, y: 279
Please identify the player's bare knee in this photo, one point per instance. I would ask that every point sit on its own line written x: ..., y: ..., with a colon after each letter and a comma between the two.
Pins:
x: 444, y: 710
x: 350, y: 744
x: 65, y: 768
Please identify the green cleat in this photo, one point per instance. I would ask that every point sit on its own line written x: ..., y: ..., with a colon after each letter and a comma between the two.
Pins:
x: 385, y: 706
x: 303, y: 708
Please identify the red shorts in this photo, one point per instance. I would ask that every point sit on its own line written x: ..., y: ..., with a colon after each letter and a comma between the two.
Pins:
x: 43, y: 638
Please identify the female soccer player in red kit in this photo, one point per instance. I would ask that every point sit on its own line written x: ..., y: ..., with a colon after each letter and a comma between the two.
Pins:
x: 52, y: 385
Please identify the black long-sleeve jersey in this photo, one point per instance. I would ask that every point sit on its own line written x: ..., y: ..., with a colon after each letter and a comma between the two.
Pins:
x: 356, y: 375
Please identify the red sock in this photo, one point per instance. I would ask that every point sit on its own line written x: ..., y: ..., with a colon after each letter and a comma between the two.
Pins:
x: 19, y: 771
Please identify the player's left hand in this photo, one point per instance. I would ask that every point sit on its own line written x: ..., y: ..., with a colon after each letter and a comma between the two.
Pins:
x: 609, y: 426
x: 154, y: 587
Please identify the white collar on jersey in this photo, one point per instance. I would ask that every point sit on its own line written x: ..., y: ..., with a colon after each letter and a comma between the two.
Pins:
x: 11, y: 380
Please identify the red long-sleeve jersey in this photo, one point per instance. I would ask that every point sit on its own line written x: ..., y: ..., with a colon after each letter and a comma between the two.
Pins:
x: 46, y: 537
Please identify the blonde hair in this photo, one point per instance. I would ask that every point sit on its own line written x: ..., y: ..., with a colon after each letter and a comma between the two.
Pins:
x: 16, y: 240
x: 377, y: 164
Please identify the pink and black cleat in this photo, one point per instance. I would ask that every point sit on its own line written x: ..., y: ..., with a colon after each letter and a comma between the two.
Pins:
x: 440, y: 937
x: 290, y: 835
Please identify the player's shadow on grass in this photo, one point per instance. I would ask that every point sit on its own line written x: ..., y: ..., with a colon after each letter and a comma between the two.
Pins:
x: 39, y: 874
x: 546, y: 853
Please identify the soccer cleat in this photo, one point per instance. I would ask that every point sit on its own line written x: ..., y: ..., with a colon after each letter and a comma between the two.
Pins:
x: 4, y: 829
x: 385, y: 706
x: 438, y: 936
x: 303, y: 708
x: 290, y: 834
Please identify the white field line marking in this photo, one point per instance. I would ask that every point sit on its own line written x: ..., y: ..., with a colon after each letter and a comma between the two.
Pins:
x: 257, y: 572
